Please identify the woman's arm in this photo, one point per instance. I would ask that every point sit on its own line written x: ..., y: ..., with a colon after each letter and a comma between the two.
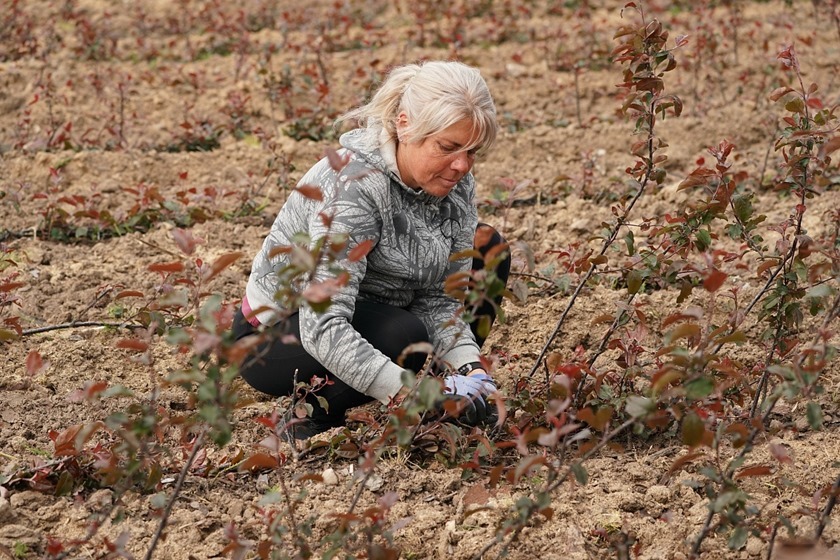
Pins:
x: 328, y: 336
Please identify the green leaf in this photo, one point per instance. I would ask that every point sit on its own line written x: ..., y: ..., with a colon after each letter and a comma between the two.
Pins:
x: 815, y: 415
x: 6, y: 334
x: 429, y: 392
x: 738, y: 538
x: 639, y: 407
x: 699, y: 388
x: 483, y: 326
x: 158, y: 501
x: 581, y: 475
x: 692, y: 429
x: 743, y: 207
x: 323, y: 402
x: 629, y: 240
x: 704, y: 239
x: 635, y: 279
x: 795, y: 105
x: 64, y: 486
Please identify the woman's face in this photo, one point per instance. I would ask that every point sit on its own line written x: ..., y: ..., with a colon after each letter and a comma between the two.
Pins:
x: 437, y: 163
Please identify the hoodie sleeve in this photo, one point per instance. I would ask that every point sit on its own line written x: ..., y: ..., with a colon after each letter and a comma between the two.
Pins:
x: 328, y: 336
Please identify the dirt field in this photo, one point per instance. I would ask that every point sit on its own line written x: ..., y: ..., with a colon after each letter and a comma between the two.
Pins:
x: 196, y: 114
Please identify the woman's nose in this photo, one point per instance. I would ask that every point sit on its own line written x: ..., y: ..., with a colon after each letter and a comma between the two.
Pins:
x: 462, y: 162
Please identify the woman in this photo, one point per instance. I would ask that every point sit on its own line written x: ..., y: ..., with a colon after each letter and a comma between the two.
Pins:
x: 404, y: 191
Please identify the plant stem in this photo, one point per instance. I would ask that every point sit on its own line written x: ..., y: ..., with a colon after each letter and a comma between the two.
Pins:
x: 197, y: 445
x: 606, y: 245
x: 75, y: 324
x: 826, y: 512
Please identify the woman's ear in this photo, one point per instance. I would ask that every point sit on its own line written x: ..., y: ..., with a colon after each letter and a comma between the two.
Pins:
x: 402, y: 125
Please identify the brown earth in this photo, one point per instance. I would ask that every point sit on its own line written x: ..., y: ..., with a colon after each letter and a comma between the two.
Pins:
x: 182, y: 70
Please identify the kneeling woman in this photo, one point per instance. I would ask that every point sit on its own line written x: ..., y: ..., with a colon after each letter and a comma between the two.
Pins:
x: 406, y: 192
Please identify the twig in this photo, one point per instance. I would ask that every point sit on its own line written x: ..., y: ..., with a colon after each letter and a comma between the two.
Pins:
x: 158, y: 247
x: 361, y: 488
x: 99, y: 296
x: 765, y: 376
x: 826, y: 512
x: 197, y: 445
x: 74, y: 324
x: 772, y: 541
x: 606, y: 245
x: 733, y: 465
x: 291, y: 508
x: 24, y: 233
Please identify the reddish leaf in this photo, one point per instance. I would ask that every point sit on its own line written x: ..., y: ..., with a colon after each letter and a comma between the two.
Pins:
x: 496, y: 475
x: 347, y: 450
x: 741, y: 434
x: 360, y: 251
x: 483, y: 235
x: 602, y: 319
x: 129, y: 293
x: 185, y: 240
x: 778, y: 93
x: 267, y: 421
x: 132, y: 344
x: 34, y: 363
x: 9, y: 286
x: 221, y: 263
x: 685, y: 459
x: 524, y: 467
x: 758, y: 470
x: 258, y: 461
x: 175, y: 266
x: 714, y: 280
x: 319, y: 293
x: 337, y: 161
x: 780, y: 453
x: 686, y: 330
x: 664, y: 377
x: 765, y: 266
x: 310, y: 191
x: 71, y: 441
x: 93, y: 388
x: 501, y: 409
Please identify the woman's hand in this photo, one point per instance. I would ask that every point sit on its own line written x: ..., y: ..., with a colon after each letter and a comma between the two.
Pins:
x: 469, y: 394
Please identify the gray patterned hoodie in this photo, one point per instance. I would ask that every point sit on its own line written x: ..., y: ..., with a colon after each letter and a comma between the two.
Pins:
x: 413, y: 235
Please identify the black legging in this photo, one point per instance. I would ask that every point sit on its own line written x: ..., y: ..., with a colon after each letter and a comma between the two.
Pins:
x: 272, y: 364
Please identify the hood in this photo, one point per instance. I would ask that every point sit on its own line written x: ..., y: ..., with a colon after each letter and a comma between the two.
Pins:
x: 375, y: 146
x: 379, y: 150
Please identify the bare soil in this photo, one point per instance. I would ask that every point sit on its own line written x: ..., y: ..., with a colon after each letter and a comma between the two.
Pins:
x: 574, y: 165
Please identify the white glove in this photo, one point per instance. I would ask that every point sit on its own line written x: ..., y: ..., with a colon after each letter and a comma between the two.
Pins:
x: 470, y: 393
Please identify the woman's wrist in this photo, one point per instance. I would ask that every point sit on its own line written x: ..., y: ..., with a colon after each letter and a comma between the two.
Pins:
x: 472, y: 368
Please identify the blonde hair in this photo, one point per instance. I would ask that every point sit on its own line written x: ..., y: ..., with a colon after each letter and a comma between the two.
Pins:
x: 434, y: 95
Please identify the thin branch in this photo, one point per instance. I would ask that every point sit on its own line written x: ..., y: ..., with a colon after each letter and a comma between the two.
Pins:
x: 606, y: 245
x: 74, y: 324
x: 197, y: 445
x: 826, y: 512
x: 772, y: 541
